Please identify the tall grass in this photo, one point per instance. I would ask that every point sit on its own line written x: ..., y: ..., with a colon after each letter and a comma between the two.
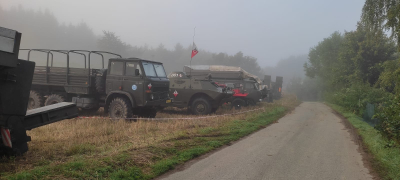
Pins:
x: 104, y: 148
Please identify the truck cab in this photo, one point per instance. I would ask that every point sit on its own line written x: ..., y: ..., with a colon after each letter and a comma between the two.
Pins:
x: 137, y: 84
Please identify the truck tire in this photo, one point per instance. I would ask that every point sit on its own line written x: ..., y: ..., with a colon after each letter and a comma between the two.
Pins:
x: 53, y: 99
x: 120, y: 108
x: 35, y: 100
x: 200, y: 106
x: 238, y: 103
x: 100, y: 81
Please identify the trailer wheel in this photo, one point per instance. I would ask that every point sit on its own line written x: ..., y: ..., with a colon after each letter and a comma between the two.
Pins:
x: 238, y: 103
x: 35, y: 100
x: 120, y: 108
x: 100, y: 81
x: 53, y: 99
x: 201, y: 106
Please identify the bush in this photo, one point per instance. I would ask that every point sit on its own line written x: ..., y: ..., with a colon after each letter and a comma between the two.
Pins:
x: 356, y: 97
x: 389, y: 116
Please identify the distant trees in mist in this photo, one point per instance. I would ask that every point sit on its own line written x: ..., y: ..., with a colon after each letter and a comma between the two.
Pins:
x: 41, y: 30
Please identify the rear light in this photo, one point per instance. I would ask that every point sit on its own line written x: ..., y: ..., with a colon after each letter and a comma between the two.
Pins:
x: 148, y: 91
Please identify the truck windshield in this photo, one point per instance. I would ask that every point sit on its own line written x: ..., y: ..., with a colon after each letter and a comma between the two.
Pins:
x: 149, y: 69
x: 154, y: 70
x: 160, y: 70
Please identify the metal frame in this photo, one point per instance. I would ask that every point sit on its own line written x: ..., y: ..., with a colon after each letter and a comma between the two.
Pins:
x: 67, y: 53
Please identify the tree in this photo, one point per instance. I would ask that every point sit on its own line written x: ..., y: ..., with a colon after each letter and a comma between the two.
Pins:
x: 363, y: 53
x: 324, y: 61
x: 377, y: 14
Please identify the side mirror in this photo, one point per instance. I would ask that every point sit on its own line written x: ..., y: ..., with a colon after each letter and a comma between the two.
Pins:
x: 137, y: 73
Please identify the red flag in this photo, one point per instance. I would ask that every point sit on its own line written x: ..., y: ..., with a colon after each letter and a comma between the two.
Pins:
x: 194, y: 50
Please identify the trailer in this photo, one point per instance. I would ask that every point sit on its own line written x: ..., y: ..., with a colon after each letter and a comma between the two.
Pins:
x: 15, y: 82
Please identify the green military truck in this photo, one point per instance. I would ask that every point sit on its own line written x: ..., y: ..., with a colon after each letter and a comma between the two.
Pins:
x: 200, y: 96
x: 129, y: 86
x: 276, y: 87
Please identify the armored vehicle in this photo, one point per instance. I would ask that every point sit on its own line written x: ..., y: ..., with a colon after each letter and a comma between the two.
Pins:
x: 15, y: 83
x: 201, y: 96
x: 129, y: 86
x: 245, y: 85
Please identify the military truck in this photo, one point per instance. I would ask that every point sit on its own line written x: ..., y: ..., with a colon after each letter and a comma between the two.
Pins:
x: 200, y: 96
x: 129, y: 86
x: 245, y: 85
x: 15, y: 83
x: 266, y: 83
x: 276, y: 88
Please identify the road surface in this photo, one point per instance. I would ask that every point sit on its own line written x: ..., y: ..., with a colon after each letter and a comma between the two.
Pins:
x: 309, y: 143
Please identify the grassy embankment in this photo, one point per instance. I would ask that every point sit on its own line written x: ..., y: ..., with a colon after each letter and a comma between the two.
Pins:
x: 105, y: 149
x: 386, y: 160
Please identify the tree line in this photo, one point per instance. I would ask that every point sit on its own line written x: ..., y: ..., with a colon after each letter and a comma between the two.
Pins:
x: 358, y: 67
x: 41, y: 30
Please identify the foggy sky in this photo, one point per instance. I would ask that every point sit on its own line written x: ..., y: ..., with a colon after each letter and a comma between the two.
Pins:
x: 269, y: 30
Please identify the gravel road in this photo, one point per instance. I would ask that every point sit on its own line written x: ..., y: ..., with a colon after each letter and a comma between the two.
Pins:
x: 309, y: 143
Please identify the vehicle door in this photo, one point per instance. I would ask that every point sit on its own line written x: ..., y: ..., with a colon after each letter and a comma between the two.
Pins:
x: 114, y: 76
x: 132, y: 82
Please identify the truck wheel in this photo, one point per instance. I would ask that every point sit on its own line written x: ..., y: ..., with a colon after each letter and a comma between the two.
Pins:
x: 238, y: 103
x: 35, y: 100
x: 120, y: 108
x: 200, y: 106
x: 53, y: 99
x: 100, y: 81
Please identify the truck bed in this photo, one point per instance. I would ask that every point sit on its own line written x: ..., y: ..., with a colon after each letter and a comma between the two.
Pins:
x: 58, y: 76
x: 78, y: 80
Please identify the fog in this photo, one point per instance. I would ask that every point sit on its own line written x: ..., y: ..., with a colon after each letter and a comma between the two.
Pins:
x: 263, y: 31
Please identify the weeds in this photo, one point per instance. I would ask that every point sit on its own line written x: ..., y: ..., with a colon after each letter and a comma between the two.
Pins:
x: 101, y: 148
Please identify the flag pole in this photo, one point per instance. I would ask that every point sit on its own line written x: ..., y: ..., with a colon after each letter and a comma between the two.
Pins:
x: 194, y: 34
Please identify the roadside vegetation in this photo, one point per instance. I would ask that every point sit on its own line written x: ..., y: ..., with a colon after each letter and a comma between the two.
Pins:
x: 100, y: 148
x: 386, y: 155
x: 358, y: 69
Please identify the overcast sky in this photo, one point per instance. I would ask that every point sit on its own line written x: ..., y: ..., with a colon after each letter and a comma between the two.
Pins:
x: 266, y: 29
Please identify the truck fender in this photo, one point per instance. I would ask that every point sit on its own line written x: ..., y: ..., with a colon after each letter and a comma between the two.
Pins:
x: 113, y: 93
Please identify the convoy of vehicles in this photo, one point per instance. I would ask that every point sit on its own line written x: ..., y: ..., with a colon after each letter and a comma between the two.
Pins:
x: 201, y: 96
x: 129, y: 86
x: 15, y: 82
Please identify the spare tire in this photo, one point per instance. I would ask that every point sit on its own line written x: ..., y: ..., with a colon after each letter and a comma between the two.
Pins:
x: 53, y: 99
x: 35, y: 100
x: 100, y: 81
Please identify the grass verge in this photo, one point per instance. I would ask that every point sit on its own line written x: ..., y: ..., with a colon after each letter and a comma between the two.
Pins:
x: 386, y: 159
x: 101, y: 149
